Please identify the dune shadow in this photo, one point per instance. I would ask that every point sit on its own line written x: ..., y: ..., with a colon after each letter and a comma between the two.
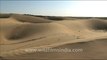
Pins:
x: 98, y: 25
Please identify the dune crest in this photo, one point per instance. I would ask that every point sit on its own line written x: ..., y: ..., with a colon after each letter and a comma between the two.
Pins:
x: 29, y: 19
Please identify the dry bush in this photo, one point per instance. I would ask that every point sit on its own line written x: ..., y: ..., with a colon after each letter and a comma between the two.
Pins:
x: 55, y: 18
x: 5, y: 15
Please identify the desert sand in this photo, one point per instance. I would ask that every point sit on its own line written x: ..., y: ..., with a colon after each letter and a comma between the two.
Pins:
x: 20, y: 32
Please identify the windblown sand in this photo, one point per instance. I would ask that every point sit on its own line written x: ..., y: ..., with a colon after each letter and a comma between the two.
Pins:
x: 19, y: 33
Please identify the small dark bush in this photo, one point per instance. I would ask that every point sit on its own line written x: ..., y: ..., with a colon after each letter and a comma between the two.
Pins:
x: 5, y: 15
x: 55, y: 18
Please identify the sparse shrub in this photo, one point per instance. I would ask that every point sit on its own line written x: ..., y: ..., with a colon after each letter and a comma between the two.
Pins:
x: 5, y: 15
x: 54, y: 18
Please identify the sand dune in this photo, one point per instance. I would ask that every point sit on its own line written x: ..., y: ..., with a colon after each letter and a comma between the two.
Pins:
x: 19, y: 33
x: 29, y: 19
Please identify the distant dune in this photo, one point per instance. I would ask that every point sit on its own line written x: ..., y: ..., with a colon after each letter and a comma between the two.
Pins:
x: 31, y: 19
x: 21, y: 32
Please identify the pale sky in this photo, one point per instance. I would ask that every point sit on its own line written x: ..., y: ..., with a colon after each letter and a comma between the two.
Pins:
x: 56, y: 8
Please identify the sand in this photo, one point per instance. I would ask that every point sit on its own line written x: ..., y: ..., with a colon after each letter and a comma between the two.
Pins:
x: 19, y: 33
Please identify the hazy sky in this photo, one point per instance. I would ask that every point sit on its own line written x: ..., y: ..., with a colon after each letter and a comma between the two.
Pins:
x: 56, y: 8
